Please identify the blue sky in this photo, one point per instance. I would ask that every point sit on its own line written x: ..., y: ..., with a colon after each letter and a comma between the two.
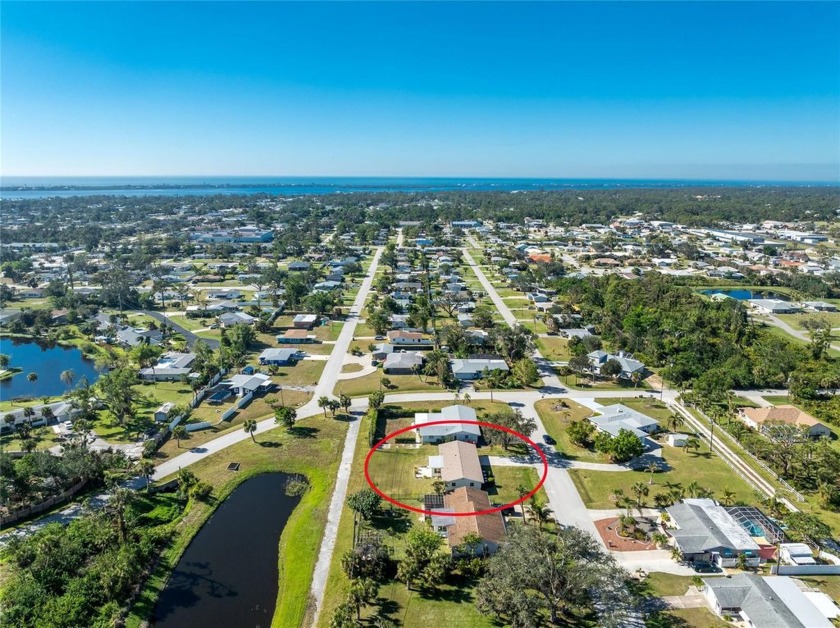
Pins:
x: 671, y: 90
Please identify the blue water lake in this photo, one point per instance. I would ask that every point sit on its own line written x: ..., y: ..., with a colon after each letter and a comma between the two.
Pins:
x: 48, y: 362
x: 745, y: 295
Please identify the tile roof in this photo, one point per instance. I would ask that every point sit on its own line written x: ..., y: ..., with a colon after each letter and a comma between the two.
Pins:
x: 490, y: 527
x: 460, y: 461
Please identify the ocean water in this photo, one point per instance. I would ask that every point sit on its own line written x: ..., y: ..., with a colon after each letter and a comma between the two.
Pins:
x: 43, y: 187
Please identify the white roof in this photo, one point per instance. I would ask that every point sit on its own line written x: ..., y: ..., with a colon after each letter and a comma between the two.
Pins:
x: 796, y: 601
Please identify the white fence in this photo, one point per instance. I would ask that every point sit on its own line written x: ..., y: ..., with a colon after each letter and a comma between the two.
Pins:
x: 194, y: 427
x: 806, y: 570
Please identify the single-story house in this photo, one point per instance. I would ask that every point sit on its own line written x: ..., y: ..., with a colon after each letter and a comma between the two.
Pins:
x: 490, y: 528
x: 295, y: 337
x: 774, y: 306
x: 298, y: 266
x: 629, y: 366
x: 162, y: 413
x: 819, y: 306
x: 132, y: 337
x: 465, y: 320
x: 763, y: 602
x: 278, y: 357
x: 617, y: 417
x: 401, y: 337
x: 61, y: 411
x: 402, y: 363
x: 453, y: 431
x: 8, y: 317
x: 575, y: 333
x: 704, y: 531
x: 757, y: 418
x: 304, y: 321
x: 326, y: 286
x: 399, y: 321
x: 474, y: 368
x: 382, y: 350
x: 170, y: 366
x: 243, y: 384
x: 229, y: 319
x: 457, y: 465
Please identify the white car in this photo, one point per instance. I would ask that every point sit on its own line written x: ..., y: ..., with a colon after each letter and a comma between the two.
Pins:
x: 68, y: 425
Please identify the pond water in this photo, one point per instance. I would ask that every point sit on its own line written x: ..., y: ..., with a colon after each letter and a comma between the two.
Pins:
x: 228, y: 575
x: 745, y: 295
x: 47, y: 361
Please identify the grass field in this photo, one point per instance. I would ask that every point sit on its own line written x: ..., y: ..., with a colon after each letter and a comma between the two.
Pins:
x: 556, y: 420
x: 554, y: 348
x: 317, y: 457
x: 797, y: 321
x: 362, y: 386
x: 707, y: 470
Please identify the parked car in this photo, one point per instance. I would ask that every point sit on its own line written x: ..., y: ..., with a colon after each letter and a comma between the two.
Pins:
x: 704, y: 567
x: 379, y: 337
x: 214, y: 326
x: 548, y: 440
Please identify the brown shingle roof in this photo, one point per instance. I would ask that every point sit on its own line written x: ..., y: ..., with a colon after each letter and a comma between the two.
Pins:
x: 460, y: 460
x: 490, y: 527
x: 296, y: 333
x: 786, y: 414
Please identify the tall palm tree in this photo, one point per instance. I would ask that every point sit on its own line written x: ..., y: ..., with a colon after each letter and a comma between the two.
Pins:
x: 324, y: 403
x: 32, y: 378
x: 640, y: 490
x: 675, y: 421
x: 179, y: 432
x: 652, y: 467
x: 146, y: 468
x: 67, y: 378
x: 250, y: 426
x: 692, y: 489
x: 727, y: 497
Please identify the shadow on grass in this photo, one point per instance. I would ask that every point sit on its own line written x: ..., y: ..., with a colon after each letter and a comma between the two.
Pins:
x: 268, y: 443
x: 301, y: 431
x: 394, y: 520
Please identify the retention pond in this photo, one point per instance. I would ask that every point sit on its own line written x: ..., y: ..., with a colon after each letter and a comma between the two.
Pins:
x: 228, y: 575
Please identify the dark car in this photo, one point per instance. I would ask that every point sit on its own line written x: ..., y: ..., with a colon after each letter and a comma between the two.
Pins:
x: 703, y: 567
x: 548, y: 440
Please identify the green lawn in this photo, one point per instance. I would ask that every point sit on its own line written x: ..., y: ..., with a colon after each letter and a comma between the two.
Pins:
x: 556, y: 418
x: 797, y: 321
x: 707, y: 470
x: 451, y: 605
x: 554, y: 348
x: 508, y: 479
x: 362, y: 386
x: 392, y: 470
x: 316, y: 457
x: 304, y: 373
x: 829, y: 585
x: 44, y: 436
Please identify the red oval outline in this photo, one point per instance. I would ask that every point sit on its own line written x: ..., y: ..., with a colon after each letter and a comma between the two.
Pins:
x: 439, y: 513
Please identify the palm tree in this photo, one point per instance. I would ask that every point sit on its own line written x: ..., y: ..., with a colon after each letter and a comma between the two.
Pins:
x: 652, y: 467
x: 32, y: 378
x: 674, y: 422
x: 540, y: 512
x: 67, y: 378
x: 625, y: 502
x: 662, y: 500
x: 691, y: 443
x: 179, y: 432
x: 640, y: 490
x: 692, y: 489
x: 345, y: 402
x: 146, y: 469
x: 727, y: 497
x: 324, y: 403
x: 660, y: 539
x: 250, y: 426
x: 467, y: 398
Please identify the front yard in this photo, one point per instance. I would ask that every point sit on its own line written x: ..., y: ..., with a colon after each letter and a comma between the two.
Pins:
x: 702, y: 469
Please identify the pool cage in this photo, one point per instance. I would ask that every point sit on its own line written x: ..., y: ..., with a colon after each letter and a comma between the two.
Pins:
x: 756, y: 523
